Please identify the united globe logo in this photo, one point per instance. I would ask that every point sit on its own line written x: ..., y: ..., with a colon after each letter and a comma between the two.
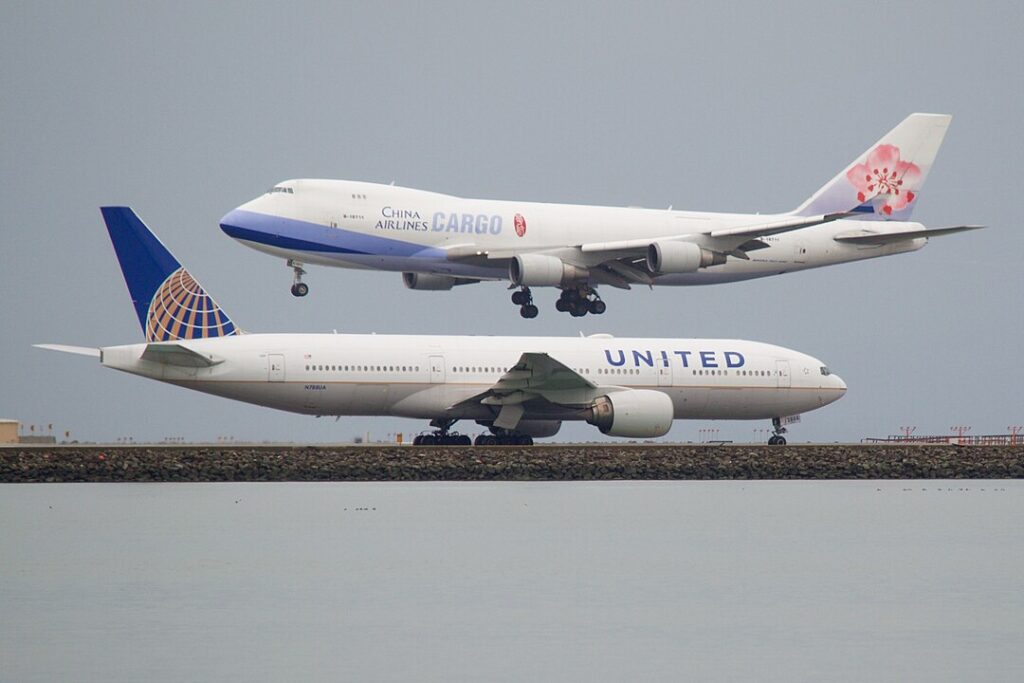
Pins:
x: 181, y: 309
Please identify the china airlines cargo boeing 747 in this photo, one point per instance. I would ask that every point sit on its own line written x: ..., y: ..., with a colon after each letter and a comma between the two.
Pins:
x: 516, y: 387
x: 438, y: 241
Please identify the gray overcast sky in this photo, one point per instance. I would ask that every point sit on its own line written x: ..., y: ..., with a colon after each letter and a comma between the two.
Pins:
x: 185, y: 110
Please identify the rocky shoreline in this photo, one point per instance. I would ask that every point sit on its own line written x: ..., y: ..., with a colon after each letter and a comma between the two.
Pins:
x: 509, y: 463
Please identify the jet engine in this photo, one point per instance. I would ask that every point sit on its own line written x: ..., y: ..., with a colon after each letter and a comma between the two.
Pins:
x: 680, y: 257
x: 639, y: 413
x: 429, y: 281
x: 541, y: 270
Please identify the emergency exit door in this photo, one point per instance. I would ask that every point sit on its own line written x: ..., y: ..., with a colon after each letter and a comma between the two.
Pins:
x: 275, y: 367
x: 436, y: 369
x: 782, y: 374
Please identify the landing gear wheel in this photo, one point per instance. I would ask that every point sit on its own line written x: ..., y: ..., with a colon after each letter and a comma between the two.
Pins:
x: 299, y: 288
x: 524, y: 299
x: 441, y: 437
x: 777, y: 438
x: 579, y: 301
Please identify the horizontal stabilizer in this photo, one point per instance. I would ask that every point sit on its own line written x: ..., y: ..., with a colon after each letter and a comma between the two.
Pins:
x: 63, y: 348
x: 176, y: 354
x: 879, y: 238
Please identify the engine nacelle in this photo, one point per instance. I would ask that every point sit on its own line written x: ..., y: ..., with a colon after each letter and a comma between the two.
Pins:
x: 541, y: 270
x: 638, y: 413
x: 538, y: 428
x: 680, y: 257
x: 428, y: 281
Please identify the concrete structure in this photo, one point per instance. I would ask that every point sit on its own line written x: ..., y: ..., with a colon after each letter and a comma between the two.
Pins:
x: 9, y: 431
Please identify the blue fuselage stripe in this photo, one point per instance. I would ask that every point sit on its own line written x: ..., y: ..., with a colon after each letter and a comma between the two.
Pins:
x: 287, y: 233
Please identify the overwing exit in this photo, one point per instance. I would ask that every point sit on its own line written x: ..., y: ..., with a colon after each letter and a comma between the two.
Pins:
x: 440, y: 241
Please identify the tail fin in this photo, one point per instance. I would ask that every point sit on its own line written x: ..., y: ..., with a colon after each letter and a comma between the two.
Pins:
x: 169, y: 302
x: 885, y: 181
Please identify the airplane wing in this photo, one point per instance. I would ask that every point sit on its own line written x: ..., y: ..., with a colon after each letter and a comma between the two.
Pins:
x: 880, y: 238
x: 622, y: 263
x: 740, y: 234
x: 534, y: 377
x: 176, y: 354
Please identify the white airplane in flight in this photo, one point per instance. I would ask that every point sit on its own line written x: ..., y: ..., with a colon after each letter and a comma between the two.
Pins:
x: 517, y: 387
x: 438, y: 241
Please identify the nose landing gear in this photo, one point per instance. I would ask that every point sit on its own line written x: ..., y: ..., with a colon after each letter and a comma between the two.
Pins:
x: 777, y: 438
x: 299, y: 288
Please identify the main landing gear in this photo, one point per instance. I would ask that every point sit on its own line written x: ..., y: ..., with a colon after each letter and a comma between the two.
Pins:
x: 441, y: 436
x: 580, y: 301
x: 503, y: 437
x: 524, y: 299
x: 299, y: 288
x: 777, y: 438
x: 577, y: 302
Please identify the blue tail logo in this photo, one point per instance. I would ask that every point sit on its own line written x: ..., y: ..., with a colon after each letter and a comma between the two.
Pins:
x: 169, y: 302
x: 181, y: 309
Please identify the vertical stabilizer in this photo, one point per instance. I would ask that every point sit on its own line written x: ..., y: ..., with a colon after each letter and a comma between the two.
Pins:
x: 885, y: 181
x: 169, y: 302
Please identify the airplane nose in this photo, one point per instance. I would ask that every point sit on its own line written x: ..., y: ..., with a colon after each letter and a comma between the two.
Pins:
x: 839, y: 383
x: 233, y: 223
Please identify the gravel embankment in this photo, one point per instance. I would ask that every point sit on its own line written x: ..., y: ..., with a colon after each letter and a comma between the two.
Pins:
x: 538, y: 463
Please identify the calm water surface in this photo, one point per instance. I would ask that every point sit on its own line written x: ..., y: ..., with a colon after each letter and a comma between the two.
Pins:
x: 782, y: 581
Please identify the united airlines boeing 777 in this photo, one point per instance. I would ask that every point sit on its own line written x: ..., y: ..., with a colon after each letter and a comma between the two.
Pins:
x: 438, y: 241
x: 516, y: 387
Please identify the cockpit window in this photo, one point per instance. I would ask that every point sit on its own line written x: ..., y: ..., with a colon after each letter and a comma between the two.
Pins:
x: 825, y: 371
x: 278, y: 188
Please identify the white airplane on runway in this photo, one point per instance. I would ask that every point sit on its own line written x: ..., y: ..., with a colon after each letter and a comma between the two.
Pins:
x: 517, y: 387
x: 438, y: 241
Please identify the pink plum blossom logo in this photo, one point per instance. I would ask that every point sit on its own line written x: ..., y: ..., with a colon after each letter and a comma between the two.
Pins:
x: 885, y: 179
x: 520, y: 224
